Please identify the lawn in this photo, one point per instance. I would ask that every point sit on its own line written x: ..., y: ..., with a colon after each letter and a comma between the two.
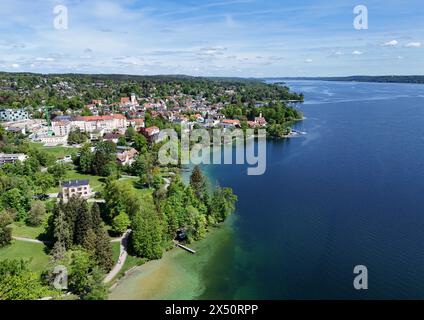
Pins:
x: 116, y: 248
x: 20, y: 229
x: 146, y: 194
x: 28, y: 251
x: 95, y: 181
x: 57, y: 152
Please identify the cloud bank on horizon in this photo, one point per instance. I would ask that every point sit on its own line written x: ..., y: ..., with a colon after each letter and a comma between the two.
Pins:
x: 249, y: 38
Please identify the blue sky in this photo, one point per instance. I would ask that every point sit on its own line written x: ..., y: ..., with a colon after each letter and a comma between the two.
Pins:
x: 249, y: 38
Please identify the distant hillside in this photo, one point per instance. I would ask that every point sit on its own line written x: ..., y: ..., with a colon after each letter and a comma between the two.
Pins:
x: 128, y: 77
x: 383, y: 79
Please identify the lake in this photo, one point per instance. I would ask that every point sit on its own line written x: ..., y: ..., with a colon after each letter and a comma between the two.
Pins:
x: 349, y: 192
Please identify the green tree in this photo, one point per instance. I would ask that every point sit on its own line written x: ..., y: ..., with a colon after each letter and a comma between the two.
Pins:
x: 79, y: 266
x: 130, y: 134
x: 86, y: 159
x: 103, y: 251
x: 98, y: 290
x: 18, y: 200
x: 62, y: 232
x: 77, y: 137
x: 140, y: 143
x: 58, y: 171
x: 43, y: 182
x: 5, y: 230
x: 17, y: 282
x: 83, y: 225
x: 199, y: 184
x: 36, y: 214
x: 120, y: 223
x: 222, y: 204
x: 146, y: 235
x: 104, y: 163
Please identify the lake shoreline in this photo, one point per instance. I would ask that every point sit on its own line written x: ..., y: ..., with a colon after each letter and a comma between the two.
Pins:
x: 178, y: 275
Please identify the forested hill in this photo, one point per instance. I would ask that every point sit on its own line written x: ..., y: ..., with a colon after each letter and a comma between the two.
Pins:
x: 128, y: 77
x: 383, y: 79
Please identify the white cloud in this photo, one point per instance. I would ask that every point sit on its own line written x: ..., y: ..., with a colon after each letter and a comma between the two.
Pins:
x: 44, y: 59
x: 391, y: 43
x: 15, y: 65
x: 413, y: 45
x: 338, y: 53
x: 308, y: 60
x: 357, y: 53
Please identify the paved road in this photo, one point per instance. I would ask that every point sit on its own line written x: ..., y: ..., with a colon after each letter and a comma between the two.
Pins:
x: 122, y: 257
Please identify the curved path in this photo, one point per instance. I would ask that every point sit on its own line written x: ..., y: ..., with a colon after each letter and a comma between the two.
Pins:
x: 30, y: 240
x: 118, y: 266
x: 122, y: 257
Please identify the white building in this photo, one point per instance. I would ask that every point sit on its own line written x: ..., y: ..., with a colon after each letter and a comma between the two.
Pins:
x: 12, y: 158
x: 12, y: 115
x: 91, y: 124
x: 61, y: 128
x: 48, y: 140
x: 78, y: 188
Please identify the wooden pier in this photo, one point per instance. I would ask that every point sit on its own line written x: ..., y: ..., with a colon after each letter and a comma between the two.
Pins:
x: 184, y: 247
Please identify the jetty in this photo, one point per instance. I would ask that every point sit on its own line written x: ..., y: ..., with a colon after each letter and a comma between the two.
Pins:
x: 184, y: 247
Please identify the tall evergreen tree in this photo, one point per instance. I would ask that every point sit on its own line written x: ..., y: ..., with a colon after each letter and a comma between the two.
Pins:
x: 102, y: 248
x: 96, y: 218
x: 103, y: 251
x: 83, y: 224
x: 61, y: 228
x: 199, y: 184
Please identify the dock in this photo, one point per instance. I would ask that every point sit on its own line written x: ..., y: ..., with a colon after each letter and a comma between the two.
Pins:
x: 184, y: 247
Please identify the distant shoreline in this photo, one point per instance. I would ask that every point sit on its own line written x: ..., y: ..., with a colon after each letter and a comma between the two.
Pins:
x: 371, y: 79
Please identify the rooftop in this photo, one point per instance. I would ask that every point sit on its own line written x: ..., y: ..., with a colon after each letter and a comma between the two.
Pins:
x: 75, y: 183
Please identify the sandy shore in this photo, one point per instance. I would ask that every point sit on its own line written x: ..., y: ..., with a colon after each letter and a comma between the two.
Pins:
x: 178, y: 275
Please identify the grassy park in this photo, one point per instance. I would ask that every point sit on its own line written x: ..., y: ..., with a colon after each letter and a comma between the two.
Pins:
x: 35, y: 252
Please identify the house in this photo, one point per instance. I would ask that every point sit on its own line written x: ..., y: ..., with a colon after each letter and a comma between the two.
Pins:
x: 228, y: 123
x: 151, y: 133
x: 199, y: 118
x: 126, y: 156
x: 12, y: 158
x: 260, y: 121
x: 78, y: 188
x: 11, y: 115
x: 113, y: 137
x: 211, y: 123
x: 16, y: 130
x: 137, y: 123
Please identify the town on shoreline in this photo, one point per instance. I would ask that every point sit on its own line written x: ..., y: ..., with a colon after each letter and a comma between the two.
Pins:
x: 84, y: 197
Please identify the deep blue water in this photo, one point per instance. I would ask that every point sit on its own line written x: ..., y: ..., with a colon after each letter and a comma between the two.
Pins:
x: 350, y: 192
